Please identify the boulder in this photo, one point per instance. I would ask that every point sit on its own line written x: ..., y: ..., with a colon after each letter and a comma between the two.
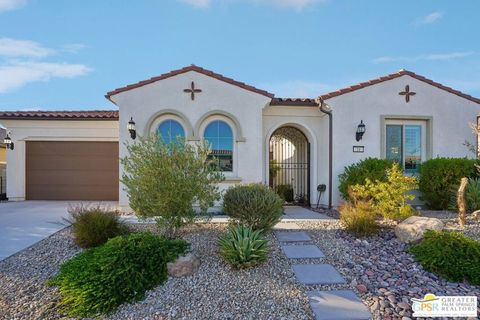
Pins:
x: 411, y: 230
x: 184, y: 266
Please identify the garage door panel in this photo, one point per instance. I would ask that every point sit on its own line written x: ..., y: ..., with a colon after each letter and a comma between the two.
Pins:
x: 83, y: 163
x: 69, y: 177
x: 76, y: 192
x: 63, y: 170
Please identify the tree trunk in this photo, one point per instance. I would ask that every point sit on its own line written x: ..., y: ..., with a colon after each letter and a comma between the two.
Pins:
x: 461, y: 201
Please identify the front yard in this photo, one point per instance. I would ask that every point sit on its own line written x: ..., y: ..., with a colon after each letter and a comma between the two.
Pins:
x: 377, y: 267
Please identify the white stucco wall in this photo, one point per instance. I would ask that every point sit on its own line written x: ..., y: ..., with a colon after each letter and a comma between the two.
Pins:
x: 240, y: 108
x: 449, y: 114
x: 48, y: 130
x: 314, y: 124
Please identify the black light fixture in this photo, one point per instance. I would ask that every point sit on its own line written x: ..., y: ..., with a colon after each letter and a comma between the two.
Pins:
x: 360, y: 131
x: 8, y: 142
x: 131, y: 128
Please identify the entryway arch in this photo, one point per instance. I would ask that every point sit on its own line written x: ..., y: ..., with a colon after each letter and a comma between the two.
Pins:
x: 289, y: 164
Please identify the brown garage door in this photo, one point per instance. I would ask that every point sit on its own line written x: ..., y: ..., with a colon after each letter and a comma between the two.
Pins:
x: 65, y: 170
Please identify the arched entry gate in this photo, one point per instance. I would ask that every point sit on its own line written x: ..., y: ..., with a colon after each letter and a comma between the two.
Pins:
x: 289, y: 163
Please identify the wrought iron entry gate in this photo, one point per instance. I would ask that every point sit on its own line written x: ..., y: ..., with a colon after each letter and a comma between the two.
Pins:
x: 289, y: 163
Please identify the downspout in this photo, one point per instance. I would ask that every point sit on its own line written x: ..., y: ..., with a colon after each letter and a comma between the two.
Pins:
x: 322, y: 108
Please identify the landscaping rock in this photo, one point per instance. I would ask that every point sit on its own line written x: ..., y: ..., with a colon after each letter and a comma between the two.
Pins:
x: 184, y: 266
x: 412, y: 229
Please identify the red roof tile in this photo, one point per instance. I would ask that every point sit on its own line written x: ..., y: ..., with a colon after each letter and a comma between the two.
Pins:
x: 184, y: 70
x: 393, y: 76
x: 60, y: 115
x: 294, y: 102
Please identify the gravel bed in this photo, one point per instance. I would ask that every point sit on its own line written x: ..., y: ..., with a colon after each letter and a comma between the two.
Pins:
x: 380, y: 270
x: 23, y: 294
x: 216, y: 291
x: 472, y: 223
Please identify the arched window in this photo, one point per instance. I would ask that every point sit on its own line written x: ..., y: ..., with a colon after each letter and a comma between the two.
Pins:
x: 171, y: 130
x: 220, y: 137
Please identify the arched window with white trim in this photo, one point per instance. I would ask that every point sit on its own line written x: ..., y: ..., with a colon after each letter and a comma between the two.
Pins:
x: 171, y: 131
x: 220, y: 137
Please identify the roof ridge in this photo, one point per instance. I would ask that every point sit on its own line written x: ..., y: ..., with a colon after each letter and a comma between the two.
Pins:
x: 191, y: 67
x: 395, y: 75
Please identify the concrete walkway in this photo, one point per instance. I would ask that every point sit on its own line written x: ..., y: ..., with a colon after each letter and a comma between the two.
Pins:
x: 326, y: 304
x: 24, y: 223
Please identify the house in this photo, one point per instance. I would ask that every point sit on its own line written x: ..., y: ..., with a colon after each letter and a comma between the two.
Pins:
x: 255, y: 136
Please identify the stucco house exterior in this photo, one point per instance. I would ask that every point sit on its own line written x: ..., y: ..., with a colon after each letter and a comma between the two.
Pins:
x: 255, y: 136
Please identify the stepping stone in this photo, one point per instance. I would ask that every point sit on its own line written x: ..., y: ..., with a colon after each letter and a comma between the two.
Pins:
x: 286, y: 226
x: 302, y: 251
x: 294, y: 236
x: 337, y: 305
x: 317, y: 274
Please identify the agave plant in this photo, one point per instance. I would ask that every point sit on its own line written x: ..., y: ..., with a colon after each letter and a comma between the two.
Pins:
x: 243, y: 247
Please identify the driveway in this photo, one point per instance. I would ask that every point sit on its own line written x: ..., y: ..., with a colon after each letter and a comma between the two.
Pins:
x: 24, y: 223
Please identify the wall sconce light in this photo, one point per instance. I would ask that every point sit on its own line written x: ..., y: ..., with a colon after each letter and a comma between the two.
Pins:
x: 360, y: 131
x: 8, y: 142
x: 131, y: 128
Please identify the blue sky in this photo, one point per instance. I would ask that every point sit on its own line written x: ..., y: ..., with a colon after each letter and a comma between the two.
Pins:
x: 66, y: 55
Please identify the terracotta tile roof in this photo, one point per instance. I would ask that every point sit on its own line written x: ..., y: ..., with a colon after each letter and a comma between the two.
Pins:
x: 393, y: 76
x: 294, y: 102
x: 60, y: 115
x: 184, y: 70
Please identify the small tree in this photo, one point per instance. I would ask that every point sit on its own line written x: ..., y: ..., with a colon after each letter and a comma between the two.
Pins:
x: 389, y: 197
x: 165, y: 180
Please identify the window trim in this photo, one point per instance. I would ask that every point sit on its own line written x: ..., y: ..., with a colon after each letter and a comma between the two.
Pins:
x: 166, y: 114
x: 428, y: 122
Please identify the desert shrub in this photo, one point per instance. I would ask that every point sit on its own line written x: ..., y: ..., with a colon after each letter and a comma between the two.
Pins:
x: 389, y: 198
x: 243, y: 247
x: 450, y: 255
x: 98, y: 280
x: 93, y: 226
x: 285, y: 191
x: 357, y: 173
x: 439, y: 175
x: 165, y: 180
x: 359, y: 218
x: 253, y: 205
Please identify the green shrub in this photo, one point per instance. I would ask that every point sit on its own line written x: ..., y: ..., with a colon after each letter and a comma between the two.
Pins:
x: 359, y: 218
x: 357, y: 173
x: 253, y: 205
x: 93, y: 226
x: 450, y: 255
x: 285, y: 191
x: 98, y: 280
x: 243, y: 247
x: 165, y: 180
x: 438, y: 176
x: 389, y: 198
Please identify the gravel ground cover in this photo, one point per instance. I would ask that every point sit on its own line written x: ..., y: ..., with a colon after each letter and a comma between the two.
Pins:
x: 380, y: 270
x: 215, y: 292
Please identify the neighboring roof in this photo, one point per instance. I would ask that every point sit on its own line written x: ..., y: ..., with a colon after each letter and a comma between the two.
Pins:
x: 392, y: 76
x: 60, y: 115
x: 294, y: 102
x: 184, y: 70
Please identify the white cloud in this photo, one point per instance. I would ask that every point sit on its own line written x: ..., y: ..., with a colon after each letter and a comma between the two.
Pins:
x: 430, y: 18
x: 296, y: 88
x: 197, y: 3
x: 295, y: 4
x: 73, y: 47
x: 425, y: 57
x: 16, y: 74
x: 6, y: 5
x: 23, y: 48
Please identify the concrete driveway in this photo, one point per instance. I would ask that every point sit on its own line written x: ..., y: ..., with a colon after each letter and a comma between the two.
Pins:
x: 27, y: 222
